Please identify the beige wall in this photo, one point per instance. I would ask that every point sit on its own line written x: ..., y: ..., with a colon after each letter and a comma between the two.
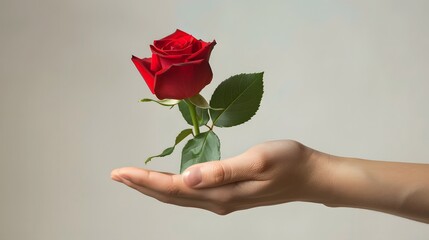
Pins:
x: 346, y: 77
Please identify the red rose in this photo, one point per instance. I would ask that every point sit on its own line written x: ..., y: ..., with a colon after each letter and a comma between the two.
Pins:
x: 179, y: 67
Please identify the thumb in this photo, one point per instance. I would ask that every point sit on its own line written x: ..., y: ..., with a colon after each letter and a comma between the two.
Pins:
x: 216, y: 173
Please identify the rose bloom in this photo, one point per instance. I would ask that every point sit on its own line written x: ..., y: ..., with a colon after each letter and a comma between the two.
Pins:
x: 179, y: 67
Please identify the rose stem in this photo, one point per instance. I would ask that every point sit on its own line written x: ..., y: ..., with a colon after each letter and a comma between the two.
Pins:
x: 193, y: 112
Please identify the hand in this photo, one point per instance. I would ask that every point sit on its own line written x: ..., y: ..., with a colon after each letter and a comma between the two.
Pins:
x: 266, y: 174
x: 284, y: 171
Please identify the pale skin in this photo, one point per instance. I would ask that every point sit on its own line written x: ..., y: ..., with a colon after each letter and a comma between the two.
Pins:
x: 284, y: 171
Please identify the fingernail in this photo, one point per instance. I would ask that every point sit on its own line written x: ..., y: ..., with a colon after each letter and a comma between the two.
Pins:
x: 114, y: 175
x: 192, y: 177
x: 121, y: 175
x: 126, y: 177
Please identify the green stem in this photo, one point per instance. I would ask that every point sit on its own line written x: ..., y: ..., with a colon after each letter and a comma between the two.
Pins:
x: 193, y: 112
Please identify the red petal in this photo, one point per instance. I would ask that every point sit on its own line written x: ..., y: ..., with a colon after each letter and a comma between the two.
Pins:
x: 156, y: 50
x: 166, y: 61
x: 155, y: 63
x: 143, y: 65
x: 204, y: 52
x: 177, y: 34
x: 186, y: 50
x: 181, y: 46
x: 184, y: 80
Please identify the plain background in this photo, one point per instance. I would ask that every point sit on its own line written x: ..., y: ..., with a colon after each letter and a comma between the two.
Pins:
x: 345, y: 77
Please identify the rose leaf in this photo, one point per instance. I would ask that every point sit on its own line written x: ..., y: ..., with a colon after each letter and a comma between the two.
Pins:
x: 203, y: 114
x: 202, y: 148
x: 238, y: 97
x: 164, y: 102
x: 182, y: 135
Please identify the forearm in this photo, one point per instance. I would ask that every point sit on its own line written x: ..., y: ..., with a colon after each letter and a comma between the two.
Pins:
x: 396, y: 188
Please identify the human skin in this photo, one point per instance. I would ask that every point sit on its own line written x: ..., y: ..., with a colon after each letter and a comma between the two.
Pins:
x: 285, y: 171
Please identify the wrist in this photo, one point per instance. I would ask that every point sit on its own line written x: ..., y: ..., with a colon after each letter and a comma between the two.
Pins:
x: 319, y: 187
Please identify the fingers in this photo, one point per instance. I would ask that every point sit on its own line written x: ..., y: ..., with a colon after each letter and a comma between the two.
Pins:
x: 218, y: 173
x: 164, y: 183
x: 165, y: 198
x: 169, y: 188
x: 220, y: 200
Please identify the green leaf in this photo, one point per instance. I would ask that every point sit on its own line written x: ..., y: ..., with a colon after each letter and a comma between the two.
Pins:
x: 203, y: 148
x: 182, y: 135
x: 203, y: 114
x: 164, y: 102
x: 199, y: 101
x: 239, y: 97
x: 164, y: 153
